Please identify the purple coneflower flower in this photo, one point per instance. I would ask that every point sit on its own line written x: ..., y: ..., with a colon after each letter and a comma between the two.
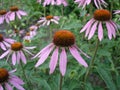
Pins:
x: 100, y: 17
x: 55, y: 2
x: 46, y: 20
x: 33, y: 30
x: 17, y: 51
x: 98, y: 3
x: 14, y: 11
x: 63, y: 41
x: 27, y: 37
x: 3, y: 16
x: 17, y: 32
x: 8, y: 81
x: 5, y: 42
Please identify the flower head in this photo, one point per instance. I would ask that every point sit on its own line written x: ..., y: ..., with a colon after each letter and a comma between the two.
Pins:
x: 33, y: 30
x: 63, y: 40
x: 3, y: 16
x: 15, y: 11
x: 17, y: 51
x: 98, y: 3
x: 5, y: 42
x: 8, y: 80
x: 100, y: 17
x: 55, y: 2
x: 46, y: 20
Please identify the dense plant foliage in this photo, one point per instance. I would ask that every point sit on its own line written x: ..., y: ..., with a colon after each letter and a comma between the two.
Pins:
x: 34, y: 27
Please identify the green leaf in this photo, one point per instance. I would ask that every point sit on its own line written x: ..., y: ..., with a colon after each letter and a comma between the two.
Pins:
x: 106, y: 77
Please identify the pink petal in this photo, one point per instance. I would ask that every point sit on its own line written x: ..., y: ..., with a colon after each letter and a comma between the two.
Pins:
x: 4, y: 54
x: 23, y: 58
x: 23, y: 13
x: 31, y: 47
x: 43, y: 50
x: 16, y: 85
x: 19, y: 16
x: 109, y: 30
x: 1, y: 88
x: 44, y: 56
x: 2, y: 46
x: 12, y: 16
x: 93, y: 29
x: 7, y: 45
x: 63, y: 62
x: 10, y: 72
x: 76, y: 55
x: 87, y: 25
x: 17, y: 80
x: 1, y: 20
x: 18, y: 57
x: 8, y: 87
x: 53, y: 61
x: 100, y: 31
x: 14, y: 58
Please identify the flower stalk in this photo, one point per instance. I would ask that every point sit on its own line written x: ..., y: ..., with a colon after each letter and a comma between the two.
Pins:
x: 92, y: 62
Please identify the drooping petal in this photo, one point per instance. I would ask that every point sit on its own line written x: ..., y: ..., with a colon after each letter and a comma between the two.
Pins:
x: 87, y: 25
x: 1, y: 88
x: 23, y: 58
x: 16, y: 85
x: 12, y: 16
x: 77, y: 56
x: 4, y: 54
x: 44, y: 56
x: 53, y: 61
x: 31, y: 47
x: 109, y: 31
x: 19, y: 16
x: 2, y: 46
x: 8, y: 87
x: 23, y: 13
x: 100, y: 31
x: 18, y: 57
x: 17, y: 80
x: 93, y: 29
x: 63, y: 62
x: 14, y: 58
x: 43, y: 50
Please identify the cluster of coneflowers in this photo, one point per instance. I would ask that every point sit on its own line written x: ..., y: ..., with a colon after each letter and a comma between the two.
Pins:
x: 11, y: 14
x: 62, y: 42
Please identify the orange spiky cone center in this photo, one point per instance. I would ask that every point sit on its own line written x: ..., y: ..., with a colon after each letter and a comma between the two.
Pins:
x: 1, y: 38
x: 49, y: 17
x: 16, y: 46
x: 4, y: 75
x: 102, y: 15
x: 14, y: 8
x: 63, y: 38
x: 3, y: 12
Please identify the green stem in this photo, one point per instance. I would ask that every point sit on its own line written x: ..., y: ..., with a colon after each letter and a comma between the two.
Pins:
x: 25, y: 77
x: 92, y: 62
x: 61, y: 80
